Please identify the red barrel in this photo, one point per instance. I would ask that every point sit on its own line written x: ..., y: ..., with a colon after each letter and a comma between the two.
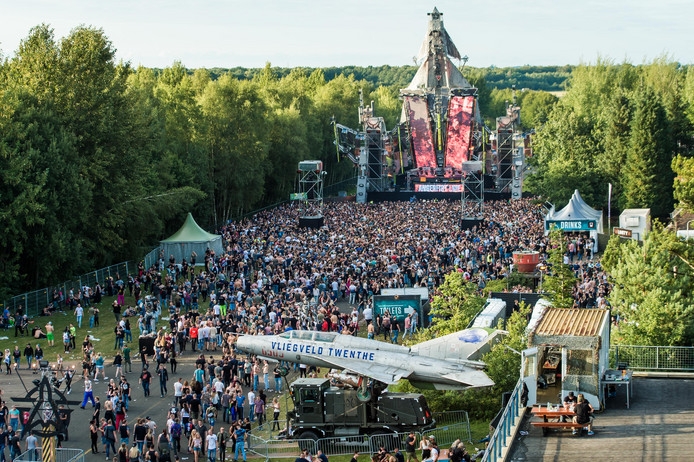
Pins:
x: 526, y: 261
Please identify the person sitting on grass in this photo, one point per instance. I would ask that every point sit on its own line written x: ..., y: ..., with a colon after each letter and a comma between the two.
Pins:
x: 583, y: 412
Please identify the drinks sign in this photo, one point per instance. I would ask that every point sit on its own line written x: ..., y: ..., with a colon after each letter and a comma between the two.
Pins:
x: 571, y: 225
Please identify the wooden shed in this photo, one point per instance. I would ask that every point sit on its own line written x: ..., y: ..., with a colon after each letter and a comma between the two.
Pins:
x: 568, y: 350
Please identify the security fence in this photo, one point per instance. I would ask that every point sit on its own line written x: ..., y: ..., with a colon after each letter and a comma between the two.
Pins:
x: 61, y: 455
x: 262, y: 443
x: 152, y: 258
x: 34, y: 302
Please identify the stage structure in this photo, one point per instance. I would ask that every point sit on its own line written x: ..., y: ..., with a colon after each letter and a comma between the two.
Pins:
x: 310, y: 193
x: 509, y: 146
x: 440, y: 129
x: 473, y: 189
x: 371, y: 150
x: 441, y: 114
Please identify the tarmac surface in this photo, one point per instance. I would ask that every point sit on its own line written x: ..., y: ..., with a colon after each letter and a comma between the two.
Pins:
x: 153, y: 406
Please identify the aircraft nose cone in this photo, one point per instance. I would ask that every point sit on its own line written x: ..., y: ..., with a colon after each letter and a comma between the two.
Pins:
x: 243, y: 344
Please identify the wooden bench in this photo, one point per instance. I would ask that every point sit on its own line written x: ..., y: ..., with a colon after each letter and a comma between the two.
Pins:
x: 547, y: 425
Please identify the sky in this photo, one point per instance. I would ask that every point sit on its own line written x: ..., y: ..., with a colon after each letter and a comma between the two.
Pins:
x: 323, y: 33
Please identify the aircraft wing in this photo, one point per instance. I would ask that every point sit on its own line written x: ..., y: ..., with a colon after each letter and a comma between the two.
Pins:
x: 386, y: 374
x: 470, y: 378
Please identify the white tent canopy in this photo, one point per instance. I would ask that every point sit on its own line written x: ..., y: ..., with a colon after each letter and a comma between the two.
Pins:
x: 577, y: 216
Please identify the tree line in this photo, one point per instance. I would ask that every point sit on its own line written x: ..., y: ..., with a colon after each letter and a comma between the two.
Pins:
x: 538, y: 78
x: 626, y: 125
x: 99, y: 159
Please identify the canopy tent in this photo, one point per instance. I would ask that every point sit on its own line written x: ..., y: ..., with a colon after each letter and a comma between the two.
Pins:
x: 188, y: 239
x: 577, y: 216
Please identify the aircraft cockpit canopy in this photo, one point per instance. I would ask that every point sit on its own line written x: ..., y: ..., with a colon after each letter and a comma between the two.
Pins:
x: 309, y: 335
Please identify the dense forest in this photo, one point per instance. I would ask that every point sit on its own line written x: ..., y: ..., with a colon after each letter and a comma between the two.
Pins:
x: 99, y: 160
x: 620, y: 124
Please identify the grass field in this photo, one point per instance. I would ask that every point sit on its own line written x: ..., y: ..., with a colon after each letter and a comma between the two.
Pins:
x: 103, y: 337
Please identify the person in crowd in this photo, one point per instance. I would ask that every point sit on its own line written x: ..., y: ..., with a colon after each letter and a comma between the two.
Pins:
x: 88, y: 393
x: 240, y: 446
x: 584, y: 414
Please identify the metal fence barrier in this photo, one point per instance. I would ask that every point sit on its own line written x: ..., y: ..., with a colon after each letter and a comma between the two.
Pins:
x: 152, y: 258
x: 653, y: 358
x: 502, y: 438
x: 262, y: 443
x: 34, y: 302
x: 61, y: 455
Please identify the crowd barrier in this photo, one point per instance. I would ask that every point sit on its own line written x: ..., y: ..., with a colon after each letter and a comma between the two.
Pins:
x: 263, y: 444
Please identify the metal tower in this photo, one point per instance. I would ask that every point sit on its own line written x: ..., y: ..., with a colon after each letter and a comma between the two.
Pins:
x: 310, y: 194
x: 472, y: 196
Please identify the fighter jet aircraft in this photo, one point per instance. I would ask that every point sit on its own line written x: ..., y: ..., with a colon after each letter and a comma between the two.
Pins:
x: 446, y: 363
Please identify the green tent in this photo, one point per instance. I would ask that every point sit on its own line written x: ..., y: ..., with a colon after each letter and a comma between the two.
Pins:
x: 191, y: 238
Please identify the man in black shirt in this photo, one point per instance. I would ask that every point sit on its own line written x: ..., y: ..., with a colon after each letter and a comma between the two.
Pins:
x: 583, y: 412
x: 226, y: 373
x: 195, y: 407
x: 64, y: 422
x: 163, y: 379
x: 4, y: 413
x: 4, y: 440
x: 15, y: 448
x: 398, y: 455
x: 411, y: 447
x: 140, y: 432
x: 145, y: 380
x: 202, y: 429
x: 320, y: 456
x: 210, y: 369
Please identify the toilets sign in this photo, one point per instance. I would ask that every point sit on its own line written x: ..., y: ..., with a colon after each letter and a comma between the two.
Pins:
x: 571, y: 225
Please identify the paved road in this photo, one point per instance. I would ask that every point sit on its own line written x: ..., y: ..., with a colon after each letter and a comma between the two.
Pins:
x: 153, y: 406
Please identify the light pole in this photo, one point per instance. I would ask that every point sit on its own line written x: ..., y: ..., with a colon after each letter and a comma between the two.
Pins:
x: 542, y: 273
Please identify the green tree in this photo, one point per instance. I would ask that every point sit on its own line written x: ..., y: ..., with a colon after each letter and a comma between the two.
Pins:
x: 564, y: 159
x: 535, y: 108
x: 559, y: 282
x: 652, y: 289
x: 648, y: 177
x: 617, y: 138
x: 502, y: 361
x: 233, y: 130
x: 453, y: 307
x: 683, y: 168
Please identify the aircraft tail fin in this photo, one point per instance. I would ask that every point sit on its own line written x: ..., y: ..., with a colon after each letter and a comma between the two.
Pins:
x: 465, y: 346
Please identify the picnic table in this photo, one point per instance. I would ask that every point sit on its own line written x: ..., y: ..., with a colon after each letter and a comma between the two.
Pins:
x: 552, y: 418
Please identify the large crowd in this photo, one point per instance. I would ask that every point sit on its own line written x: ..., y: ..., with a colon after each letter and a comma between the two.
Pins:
x: 273, y: 276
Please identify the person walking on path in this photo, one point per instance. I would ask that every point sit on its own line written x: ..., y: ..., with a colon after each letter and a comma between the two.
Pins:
x: 163, y: 379
x: 127, y: 358
x: 145, y: 380
x: 88, y: 393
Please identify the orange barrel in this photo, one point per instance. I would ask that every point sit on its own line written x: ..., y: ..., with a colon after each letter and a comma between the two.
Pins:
x: 526, y: 261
